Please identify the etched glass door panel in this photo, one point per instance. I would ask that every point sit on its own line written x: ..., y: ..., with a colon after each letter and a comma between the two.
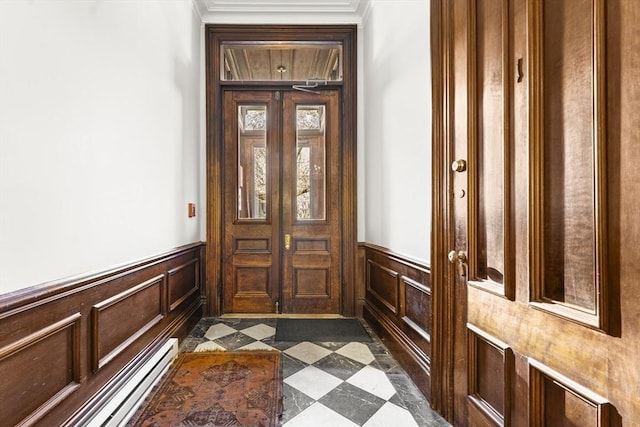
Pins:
x: 310, y: 164
x: 253, y: 181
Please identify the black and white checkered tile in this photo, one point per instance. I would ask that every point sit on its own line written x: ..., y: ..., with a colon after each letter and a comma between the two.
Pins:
x: 326, y: 383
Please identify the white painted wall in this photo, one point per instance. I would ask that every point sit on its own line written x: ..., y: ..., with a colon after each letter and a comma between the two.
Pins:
x: 397, y: 127
x: 100, y: 129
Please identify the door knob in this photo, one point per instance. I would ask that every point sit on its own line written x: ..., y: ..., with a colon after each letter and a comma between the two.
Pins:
x: 459, y: 165
x: 455, y: 256
x: 287, y: 241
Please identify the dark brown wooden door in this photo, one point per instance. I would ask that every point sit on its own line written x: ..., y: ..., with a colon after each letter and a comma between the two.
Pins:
x: 282, y: 221
x: 534, y: 334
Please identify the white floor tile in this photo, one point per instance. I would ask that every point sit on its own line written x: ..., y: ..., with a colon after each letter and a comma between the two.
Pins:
x: 259, y: 332
x: 391, y: 415
x: 374, y: 381
x: 318, y: 415
x: 308, y: 352
x: 357, y: 351
x: 209, y: 346
x: 219, y: 330
x: 313, y: 382
x: 257, y: 345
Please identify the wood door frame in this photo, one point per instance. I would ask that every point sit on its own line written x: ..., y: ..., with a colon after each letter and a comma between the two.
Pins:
x: 214, y: 35
x: 445, y: 306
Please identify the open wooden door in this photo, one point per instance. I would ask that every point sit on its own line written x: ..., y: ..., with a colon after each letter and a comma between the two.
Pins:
x: 531, y: 313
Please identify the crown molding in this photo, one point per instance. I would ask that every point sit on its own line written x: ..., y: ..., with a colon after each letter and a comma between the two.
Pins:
x: 283, y: 11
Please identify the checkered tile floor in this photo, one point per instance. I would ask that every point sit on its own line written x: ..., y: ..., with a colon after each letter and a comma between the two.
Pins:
x: 332, y: 384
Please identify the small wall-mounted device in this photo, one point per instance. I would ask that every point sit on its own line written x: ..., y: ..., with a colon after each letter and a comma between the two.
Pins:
x: 191, y: 210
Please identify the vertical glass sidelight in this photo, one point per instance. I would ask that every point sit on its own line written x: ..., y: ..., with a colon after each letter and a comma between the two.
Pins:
x: 310, y: 162
x: 253, y: 179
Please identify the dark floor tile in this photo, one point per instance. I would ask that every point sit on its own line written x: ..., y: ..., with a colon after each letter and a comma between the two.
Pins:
x: 385, y: 362
x: 189, y: 344
x: 282, y: 345
x: 408, y: 396
x: 294, y: 402
x: 352, y: 402
x: 331, y: 345
x: 247, y: 323
x: 339, y: 366
x: 234, y: 341
x: 377, y: 348
x: 290, y: 365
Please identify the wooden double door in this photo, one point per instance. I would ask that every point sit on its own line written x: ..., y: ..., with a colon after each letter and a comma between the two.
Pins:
x: 534, y: 203
x: 282, y: 211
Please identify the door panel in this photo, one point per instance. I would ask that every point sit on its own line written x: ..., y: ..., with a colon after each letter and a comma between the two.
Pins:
x: 311, y: 203
x: 251, y: 205
x: 490, y: 149
x: 529, y: 192
x: 282, y: 202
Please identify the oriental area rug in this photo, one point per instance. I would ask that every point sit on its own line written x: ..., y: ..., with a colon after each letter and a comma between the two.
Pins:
x: 220, y: 388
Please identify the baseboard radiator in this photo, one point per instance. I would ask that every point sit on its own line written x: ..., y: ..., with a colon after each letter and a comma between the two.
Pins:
x: 125, y: 401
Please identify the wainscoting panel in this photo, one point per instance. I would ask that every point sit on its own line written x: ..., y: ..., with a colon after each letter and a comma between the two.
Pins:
x: 64, y: 345
x: 382, y: 285
x: 182, y: 282
x: 59, y: 343
x: 397, y: 305
x: 142, y: 305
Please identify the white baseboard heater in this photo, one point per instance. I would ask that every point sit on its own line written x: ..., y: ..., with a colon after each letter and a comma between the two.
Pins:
x: 123, y: 404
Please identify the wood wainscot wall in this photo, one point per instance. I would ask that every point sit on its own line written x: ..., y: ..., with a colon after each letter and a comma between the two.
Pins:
x: 65, y: 347
x: 397, y: 305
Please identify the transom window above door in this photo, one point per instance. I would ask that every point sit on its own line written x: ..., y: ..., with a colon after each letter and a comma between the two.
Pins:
x: 281, y: 61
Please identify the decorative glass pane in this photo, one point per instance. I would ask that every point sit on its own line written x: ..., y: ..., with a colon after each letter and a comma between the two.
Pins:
x: 252, y: 162
x: 255, y: 119
x: 308, y: 119
x: 310, y: 162
x: 304, y: 187
x: 281, y: 61
x: 260, y: 181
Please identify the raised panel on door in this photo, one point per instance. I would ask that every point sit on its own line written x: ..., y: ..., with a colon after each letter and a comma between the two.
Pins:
x: 490, y: 265
x: 251, y: 202
x: 311, y: 195
x: 568, y: 185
